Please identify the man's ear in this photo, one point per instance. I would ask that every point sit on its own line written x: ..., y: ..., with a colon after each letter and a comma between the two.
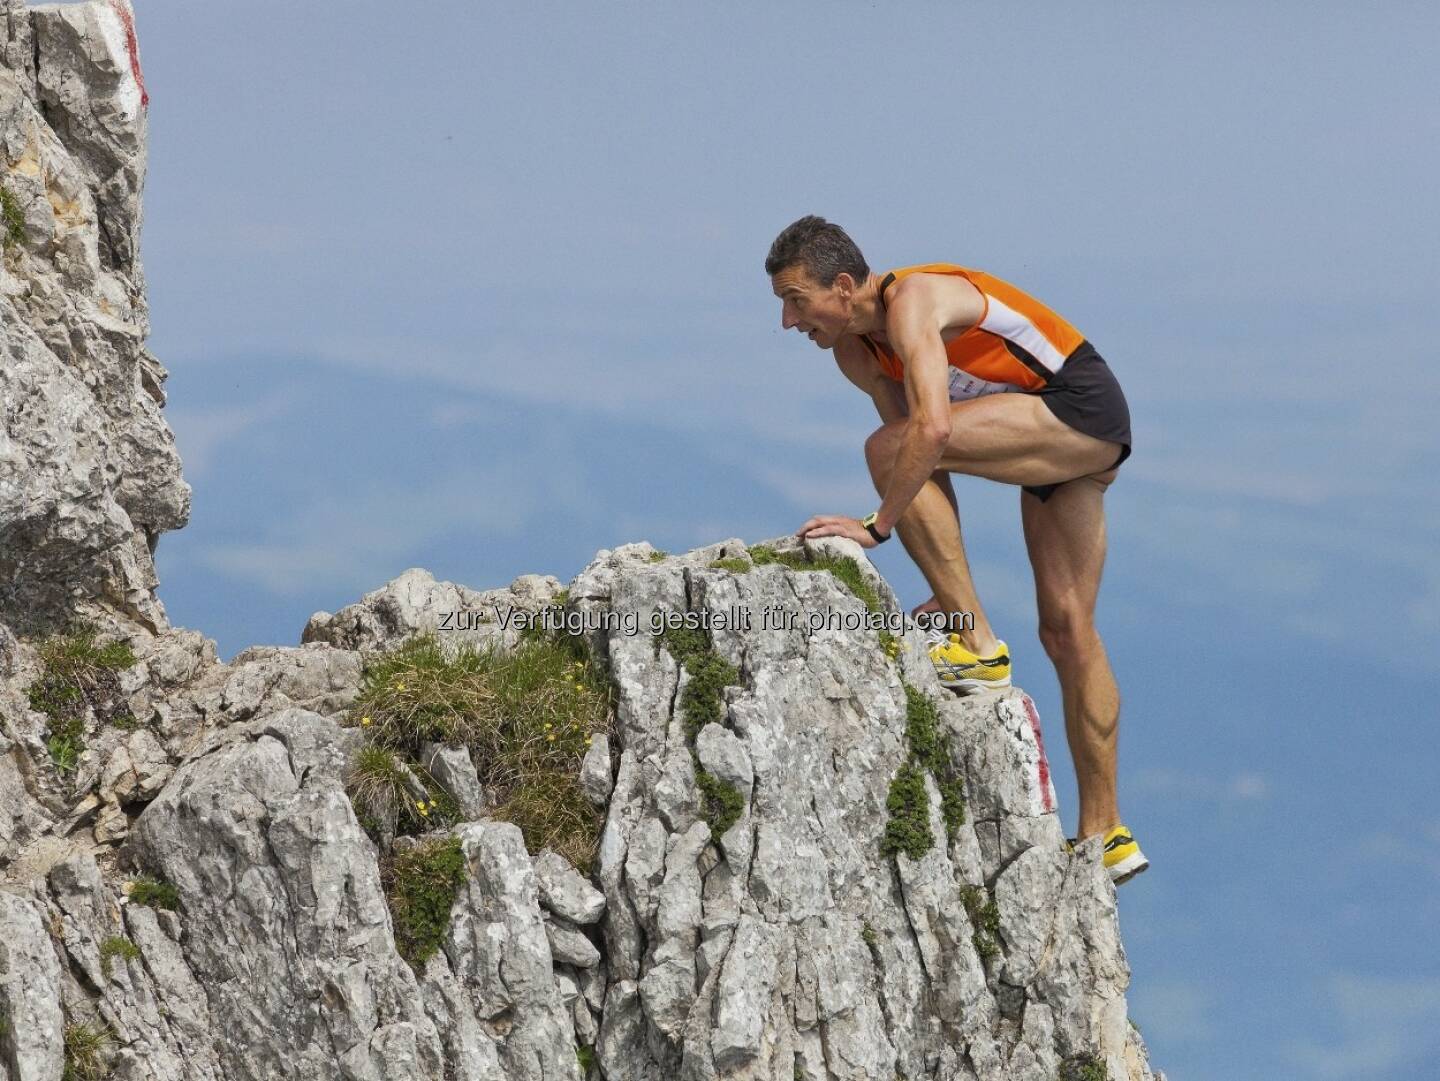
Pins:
x: 845, y: 283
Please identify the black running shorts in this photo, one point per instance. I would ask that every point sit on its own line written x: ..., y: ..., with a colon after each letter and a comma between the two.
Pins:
x: 1085, y: 394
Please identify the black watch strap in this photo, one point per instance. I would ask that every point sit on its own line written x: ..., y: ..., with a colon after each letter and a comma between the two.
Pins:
x: 869, y: 523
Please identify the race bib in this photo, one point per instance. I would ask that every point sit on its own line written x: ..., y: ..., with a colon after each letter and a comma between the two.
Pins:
x: 964, y: 385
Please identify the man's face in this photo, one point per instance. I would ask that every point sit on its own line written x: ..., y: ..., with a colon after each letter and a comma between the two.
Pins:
x: 819, y: 312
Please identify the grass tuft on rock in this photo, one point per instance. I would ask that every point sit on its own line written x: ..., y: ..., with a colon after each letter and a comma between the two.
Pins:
x: 116, y: 946
x: 842, y: 567
x: 552, y: 811
x: 952, y: 805
x: 735, y: 565
x: 984, y: 918
x: 723, y: 802
x: 702, y: 699
x: 703, y: 702
x: 85, y: 1046
x: 927, y: 745
x: 154, y: 893
x: 908, y: 828
x: 1083, y: 1068
x: 922, y: 730
x: 384, y: 791
x: 79, y: 676
x: 889, y: 644
x: 585, y: 1056
x: 421, y: 883
x: 527, y: 714
x: 12, y: 218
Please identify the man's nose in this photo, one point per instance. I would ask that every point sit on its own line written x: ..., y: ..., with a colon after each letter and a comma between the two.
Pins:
x: 786, y: 319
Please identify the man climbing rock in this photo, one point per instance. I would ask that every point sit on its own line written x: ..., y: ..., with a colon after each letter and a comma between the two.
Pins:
x: 971, y: 375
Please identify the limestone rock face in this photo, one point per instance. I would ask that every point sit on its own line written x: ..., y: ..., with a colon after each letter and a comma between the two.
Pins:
x: 744, y: 917
x: 89, y: 475
x: 789, y: 945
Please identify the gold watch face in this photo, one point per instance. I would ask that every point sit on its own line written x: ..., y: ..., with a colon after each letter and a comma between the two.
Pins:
x: 869, y: 519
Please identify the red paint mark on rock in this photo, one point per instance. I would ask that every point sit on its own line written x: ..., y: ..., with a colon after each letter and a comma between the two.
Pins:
x: 127, y: 20
x: 1047, y: 794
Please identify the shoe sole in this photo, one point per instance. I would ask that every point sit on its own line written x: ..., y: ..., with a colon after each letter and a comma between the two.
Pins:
x: 960, y: 686
x: 1128, y: 868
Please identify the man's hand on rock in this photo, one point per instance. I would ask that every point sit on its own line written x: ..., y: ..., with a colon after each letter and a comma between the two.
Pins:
x: 836, y: 525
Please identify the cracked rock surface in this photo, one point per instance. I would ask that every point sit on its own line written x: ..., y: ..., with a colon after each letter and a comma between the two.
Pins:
x: 89, y: 474
x: 781, y: 942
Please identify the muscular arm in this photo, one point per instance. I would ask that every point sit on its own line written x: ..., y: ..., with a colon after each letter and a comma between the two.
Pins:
x: 919, y: 310
x: 858, y: 366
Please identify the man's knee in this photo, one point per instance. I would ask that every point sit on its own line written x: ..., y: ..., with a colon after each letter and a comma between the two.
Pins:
x: 880, y: 448
x: 1068, y: 633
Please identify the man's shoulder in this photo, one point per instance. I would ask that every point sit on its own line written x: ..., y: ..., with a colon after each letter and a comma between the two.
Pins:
x: 926, y: 279
x: 940, y: 290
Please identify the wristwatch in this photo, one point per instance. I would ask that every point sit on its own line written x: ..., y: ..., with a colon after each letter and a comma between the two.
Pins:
x: 869, y: 523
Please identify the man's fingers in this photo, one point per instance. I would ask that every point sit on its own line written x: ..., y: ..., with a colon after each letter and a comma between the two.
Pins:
x: 820, y: 521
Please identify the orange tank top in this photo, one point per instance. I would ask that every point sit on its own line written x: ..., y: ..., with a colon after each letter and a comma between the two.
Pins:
x: 1018, y: 344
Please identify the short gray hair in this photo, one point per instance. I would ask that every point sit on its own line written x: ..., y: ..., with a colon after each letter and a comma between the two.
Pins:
x: 821, y: 247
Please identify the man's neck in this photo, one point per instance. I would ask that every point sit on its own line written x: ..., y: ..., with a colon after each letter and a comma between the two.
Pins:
x: 868, y: 315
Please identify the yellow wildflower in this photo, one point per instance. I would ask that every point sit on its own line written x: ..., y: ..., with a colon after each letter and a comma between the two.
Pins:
x: 579, y: 686
x: 364, y: 720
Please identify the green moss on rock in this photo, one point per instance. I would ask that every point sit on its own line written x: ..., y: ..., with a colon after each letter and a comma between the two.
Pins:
x: 908, y: 827
x: 984, y: 918
x: 735, y: 565
x: 842, y: 567
x: 154, y: 893
x: 79, y: 677
x: 421, y: 884
x: 908, y: 830
x: 12, y: 218
x: 116, y: 946
x: 723, y: 802
x: 585, y: 1056
x: 1084, y: 1067
x: 702, y: 700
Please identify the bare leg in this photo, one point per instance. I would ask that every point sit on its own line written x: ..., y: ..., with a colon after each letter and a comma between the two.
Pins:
x: 941, y: 478
x: 930, y: 531
x: 1065, y: 536
x: 1010, y: 438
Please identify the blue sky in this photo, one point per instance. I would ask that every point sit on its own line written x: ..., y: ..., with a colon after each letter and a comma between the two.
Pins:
x: 479, y: 289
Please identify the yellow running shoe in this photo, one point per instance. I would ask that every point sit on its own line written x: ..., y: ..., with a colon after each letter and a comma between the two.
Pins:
x: 1123, y: 858
x: 961, y: 670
